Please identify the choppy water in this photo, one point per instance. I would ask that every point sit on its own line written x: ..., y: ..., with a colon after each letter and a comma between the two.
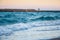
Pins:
x: 10, y: 22
x: 24, y: 17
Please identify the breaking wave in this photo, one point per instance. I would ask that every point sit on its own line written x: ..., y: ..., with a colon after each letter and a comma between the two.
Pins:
x: 21, y: 21
x: 24, y: 17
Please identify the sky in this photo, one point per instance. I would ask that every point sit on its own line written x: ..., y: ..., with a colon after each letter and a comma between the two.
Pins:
x: 30, y: 4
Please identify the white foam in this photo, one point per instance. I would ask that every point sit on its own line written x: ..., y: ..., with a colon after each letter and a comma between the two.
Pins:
x: 31, y: 30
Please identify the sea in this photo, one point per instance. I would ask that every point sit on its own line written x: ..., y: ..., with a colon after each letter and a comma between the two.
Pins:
x: 29, y: 25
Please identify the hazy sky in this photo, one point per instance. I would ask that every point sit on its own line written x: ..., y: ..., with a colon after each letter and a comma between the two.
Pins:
x: 43, y: 4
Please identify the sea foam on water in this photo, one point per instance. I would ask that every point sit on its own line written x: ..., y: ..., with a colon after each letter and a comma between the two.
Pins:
x: 29, y: 25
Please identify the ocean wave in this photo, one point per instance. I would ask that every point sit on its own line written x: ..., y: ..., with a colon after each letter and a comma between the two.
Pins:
x: 21, y: 21
x: 24, y: 17
x: 24, y: 25
x: 43, y: 25
x: 46, y: 18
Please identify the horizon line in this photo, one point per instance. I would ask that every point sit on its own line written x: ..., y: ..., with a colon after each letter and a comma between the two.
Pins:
x: 33, y: 8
